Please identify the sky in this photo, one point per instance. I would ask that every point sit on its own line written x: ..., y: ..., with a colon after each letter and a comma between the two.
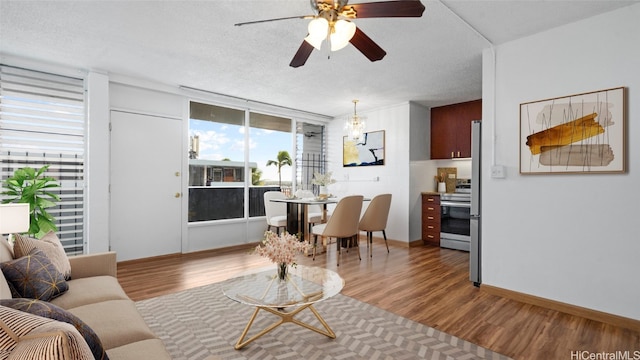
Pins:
x: 219, y: 141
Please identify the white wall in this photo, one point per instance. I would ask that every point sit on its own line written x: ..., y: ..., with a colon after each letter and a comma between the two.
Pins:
x: 97, y: 176
x: 569, y: 238
x: 394, y: 175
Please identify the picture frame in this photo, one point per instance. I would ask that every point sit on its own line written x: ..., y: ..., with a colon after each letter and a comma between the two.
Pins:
x: 367, y: 151
x: 582, y: 134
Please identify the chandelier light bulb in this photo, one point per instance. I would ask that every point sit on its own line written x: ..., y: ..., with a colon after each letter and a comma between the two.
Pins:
x: 355, y: 125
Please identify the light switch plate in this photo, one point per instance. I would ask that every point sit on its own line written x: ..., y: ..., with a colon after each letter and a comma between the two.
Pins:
x: 497, y: 172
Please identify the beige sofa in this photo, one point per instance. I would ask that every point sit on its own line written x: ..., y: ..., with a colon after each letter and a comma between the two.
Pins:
x: 96, y: 297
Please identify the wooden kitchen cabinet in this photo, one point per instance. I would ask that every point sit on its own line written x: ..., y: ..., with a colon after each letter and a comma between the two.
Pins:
x: 431, y: 219
x: 451, y: 129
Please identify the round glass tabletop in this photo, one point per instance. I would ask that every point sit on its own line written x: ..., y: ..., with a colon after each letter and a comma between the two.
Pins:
x: 303, y: 285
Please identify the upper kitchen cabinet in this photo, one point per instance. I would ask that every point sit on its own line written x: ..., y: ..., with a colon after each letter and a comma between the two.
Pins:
x: 451, y: 129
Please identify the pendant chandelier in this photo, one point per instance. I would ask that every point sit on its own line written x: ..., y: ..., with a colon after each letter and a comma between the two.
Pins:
x: 355, y: 125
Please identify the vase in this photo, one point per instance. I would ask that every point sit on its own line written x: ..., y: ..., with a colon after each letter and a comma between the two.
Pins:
x: 283, y: 269
x: 442, y: 187
x: 324, y: 192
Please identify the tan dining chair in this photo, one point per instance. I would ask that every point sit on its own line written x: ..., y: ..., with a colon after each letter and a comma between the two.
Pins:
x: 276, y: 212
x: 343, y: 224
x: 375, y: 219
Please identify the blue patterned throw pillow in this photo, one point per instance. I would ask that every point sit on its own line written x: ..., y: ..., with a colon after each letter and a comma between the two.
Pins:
x: 50, y: 311
x: 34, y: 276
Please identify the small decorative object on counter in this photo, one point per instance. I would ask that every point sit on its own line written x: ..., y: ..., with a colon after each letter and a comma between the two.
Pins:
x: 440, y: 180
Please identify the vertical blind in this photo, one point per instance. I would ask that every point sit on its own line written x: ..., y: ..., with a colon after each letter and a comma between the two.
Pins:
x: 42, y: 122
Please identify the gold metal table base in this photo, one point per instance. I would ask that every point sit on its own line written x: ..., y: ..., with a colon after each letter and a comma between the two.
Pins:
x: 284, y: 318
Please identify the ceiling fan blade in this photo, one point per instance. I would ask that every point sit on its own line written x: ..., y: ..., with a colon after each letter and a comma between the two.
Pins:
x: 301, y: 56
x: 401, y: 8
x: 367, y: 46
x: 276, y: 19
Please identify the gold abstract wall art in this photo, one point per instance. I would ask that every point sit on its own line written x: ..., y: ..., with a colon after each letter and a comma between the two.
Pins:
x: 582, y: 133
x: 367, y: 151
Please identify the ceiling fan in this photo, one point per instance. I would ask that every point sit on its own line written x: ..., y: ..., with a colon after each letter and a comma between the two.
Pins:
x: 332, y: 22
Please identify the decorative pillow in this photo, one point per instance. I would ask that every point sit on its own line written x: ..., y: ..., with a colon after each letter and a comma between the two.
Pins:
x: 51, y: 311
x: 50, y: 245
x: 34, y: 276
x: 28, y: 336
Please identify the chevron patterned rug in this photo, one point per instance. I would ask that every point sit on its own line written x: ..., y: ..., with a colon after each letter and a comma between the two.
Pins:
x: 197, y: 323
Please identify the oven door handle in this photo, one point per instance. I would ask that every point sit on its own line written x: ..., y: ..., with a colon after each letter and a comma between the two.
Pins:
x: 456, y: 204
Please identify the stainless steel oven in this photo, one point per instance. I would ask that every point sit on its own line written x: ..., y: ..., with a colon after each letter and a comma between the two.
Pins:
x: 455, y: 221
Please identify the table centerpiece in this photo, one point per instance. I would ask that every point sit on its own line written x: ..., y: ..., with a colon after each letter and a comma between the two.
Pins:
x: 323, y: 180
x: 280, y: 249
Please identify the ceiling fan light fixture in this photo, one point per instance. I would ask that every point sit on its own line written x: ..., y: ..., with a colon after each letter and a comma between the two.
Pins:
x: 341, y: 33
x: 318, y: 29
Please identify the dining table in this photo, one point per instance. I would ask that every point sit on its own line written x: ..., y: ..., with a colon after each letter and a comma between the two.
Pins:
x: 297, y: 209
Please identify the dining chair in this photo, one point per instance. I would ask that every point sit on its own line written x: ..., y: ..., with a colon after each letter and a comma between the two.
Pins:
x: 375, y: 219
x: 276, y: 212
x: 343, y: 224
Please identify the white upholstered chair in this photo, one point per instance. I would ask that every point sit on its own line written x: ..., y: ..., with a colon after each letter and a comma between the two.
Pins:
x: 314, y: 212
x: 276, y: 212
x: 375, y: 219
x: 343, y: 224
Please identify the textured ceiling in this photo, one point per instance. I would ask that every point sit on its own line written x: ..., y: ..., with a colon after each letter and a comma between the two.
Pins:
x: 433, y: 60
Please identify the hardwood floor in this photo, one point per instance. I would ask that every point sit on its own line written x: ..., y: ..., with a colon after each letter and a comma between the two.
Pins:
x: 426, y: 284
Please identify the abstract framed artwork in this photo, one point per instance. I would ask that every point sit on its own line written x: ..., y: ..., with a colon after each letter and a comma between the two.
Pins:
x: 367, y: 151
x: 582, y: 133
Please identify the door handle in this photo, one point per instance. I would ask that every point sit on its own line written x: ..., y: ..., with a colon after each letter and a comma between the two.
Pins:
x: 177, y: 195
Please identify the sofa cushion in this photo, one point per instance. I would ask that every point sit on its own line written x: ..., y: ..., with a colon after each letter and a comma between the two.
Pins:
x: 34, y: 276
x: 50, y: 245
x: 150, y: 349
x: 91, y: 290
x: 50, y: 311
x: 28, y: 336
x: 117, y: 322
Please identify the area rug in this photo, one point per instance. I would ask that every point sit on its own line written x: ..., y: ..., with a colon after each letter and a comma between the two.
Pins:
x: 200, y: 322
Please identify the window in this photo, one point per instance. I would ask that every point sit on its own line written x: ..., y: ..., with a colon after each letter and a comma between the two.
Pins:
x: 216, y: 163
x: 309, y: 154
x: 228, y: 160
x: 42, y: 121
x: 268, y: 137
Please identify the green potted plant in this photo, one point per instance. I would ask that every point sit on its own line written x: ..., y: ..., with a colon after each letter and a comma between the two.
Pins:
x: 31, y: 186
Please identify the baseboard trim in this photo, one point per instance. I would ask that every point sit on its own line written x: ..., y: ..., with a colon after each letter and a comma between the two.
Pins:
x: 596, y: 315
x: 216, y: 251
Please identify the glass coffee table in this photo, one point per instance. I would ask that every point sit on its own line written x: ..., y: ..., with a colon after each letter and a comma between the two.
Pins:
x: 303, y: 287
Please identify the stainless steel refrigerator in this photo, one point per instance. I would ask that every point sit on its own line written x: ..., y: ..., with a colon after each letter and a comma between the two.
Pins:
x: 475, y: 266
